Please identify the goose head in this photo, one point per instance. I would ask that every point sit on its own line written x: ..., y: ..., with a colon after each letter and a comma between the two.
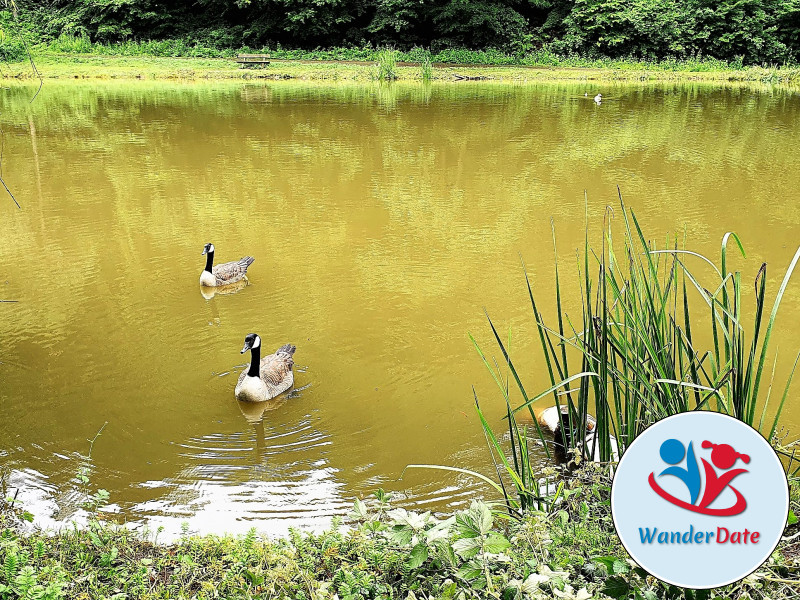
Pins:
x: 208, y: 249
x: 251, y: 342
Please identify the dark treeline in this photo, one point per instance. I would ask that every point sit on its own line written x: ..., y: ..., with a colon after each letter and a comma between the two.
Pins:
x: 751, y: 31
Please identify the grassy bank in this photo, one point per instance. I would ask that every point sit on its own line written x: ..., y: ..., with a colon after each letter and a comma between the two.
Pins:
x: 570, y: 552
x: 67, y: 44
x: 158, y: 60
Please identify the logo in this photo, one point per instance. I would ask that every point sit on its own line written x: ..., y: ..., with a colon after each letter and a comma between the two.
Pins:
x: 723, y: 456
x: 700, y: 500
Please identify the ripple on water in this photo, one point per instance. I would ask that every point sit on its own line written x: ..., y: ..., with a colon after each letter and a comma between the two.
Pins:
x: 267, y: 477
x: 302, y: 497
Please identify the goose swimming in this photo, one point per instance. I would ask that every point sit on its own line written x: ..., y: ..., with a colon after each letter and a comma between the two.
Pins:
x: 266, y: 377
x: 557, y: 424
x: 224, y: 274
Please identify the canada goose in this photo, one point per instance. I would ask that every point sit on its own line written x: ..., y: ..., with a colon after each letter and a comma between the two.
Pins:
x: 223, y: 274
x: 266, y: 377
x: 558, y: 425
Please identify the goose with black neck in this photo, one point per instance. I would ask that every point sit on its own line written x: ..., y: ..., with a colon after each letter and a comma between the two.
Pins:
x: 265, y: 377
x: 224, y: 274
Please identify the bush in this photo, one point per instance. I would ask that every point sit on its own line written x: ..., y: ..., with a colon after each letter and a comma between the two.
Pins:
x: 12, y: 50
x: 758, y: 31
x: 12, y: 38
x: 71, y: 44
x: 642, y: 28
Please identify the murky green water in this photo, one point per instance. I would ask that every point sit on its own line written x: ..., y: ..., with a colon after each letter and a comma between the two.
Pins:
x: 382, y: 219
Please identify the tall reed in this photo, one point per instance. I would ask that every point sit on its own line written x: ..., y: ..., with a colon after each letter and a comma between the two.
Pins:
x: 632, y: 357
x: 387, y: 65
x: 530, y: 490
x: 426, y: 68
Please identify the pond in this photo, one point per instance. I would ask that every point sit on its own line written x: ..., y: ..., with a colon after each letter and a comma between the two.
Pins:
x: 383, y: 219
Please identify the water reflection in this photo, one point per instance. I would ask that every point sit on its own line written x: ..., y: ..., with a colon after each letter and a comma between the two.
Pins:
x: 253, y: 412
x: 262, y: 472
x: 223, y: 290
x: 383, y: 218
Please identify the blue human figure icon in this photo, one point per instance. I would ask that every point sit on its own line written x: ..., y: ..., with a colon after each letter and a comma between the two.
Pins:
x: 672, y: 453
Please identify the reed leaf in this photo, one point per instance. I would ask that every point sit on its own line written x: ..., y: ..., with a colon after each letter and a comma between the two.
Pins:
x: 635, y: 340
x: 637, y: 358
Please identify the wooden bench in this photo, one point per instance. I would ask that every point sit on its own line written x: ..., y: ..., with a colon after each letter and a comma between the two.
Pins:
x: 252, y: 59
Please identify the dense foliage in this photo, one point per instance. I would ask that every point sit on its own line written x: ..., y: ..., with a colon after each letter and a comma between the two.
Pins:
x: 570, y: 552
x: 751, y: 31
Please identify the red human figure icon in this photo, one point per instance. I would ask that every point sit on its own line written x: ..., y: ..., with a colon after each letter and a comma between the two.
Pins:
x: 724, y: 457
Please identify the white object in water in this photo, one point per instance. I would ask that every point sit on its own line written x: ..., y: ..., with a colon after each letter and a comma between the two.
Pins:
x: 598, y: 98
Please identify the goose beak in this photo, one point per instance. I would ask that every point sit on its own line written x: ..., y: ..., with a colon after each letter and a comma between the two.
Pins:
x: 204, y: 251
x: 247, y: 346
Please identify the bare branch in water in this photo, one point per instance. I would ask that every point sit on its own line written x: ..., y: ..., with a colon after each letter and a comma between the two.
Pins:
x: 14, y: 11
x: 35, y: 70
x: 94, y: 439
x: 9, y: 192
x: 3, y: 181
x: 13, y: 5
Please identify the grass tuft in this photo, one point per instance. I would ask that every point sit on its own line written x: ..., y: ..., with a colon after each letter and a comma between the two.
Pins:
x: 426, y: 68
x: 387, y: 65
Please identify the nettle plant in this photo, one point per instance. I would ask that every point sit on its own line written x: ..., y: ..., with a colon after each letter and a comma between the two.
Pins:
x: 465, y: 544
x: 466, y: 556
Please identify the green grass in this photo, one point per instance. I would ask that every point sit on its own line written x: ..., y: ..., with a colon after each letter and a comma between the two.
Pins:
x: 78, y: 57
x: 426, y: 69
x: 92, y: 66
x: 544, y: 58
x: 387, y: 65
x: 570, y: 551
x: 71, y: 44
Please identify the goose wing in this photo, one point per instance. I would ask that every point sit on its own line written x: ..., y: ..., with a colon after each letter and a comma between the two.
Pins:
x: 276, y: 369
x: 231, y: 272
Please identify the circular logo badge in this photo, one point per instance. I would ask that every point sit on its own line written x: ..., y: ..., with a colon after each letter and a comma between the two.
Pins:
x: 700, y: 500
